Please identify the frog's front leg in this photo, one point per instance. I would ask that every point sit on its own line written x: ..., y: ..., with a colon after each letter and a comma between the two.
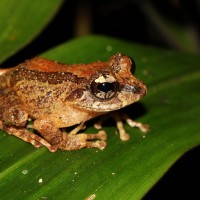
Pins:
x: 71, y: 141
x: 119, y: 118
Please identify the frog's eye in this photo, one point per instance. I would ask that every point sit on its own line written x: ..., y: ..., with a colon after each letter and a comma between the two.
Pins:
x: 104, y: 87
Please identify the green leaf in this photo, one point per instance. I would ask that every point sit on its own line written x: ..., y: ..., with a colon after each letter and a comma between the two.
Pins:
x: 21, y: 21
x: 124, y: 170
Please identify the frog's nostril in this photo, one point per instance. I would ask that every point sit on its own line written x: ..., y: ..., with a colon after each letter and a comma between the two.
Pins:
x: 140, y: 90
x: 137, y: 89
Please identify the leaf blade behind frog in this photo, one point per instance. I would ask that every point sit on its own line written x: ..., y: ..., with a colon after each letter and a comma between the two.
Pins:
x: 124, y: 170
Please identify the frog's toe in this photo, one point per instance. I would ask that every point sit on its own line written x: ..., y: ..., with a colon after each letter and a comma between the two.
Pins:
x: 124, y: 136
x: 102, y: 135
x: 97, y: 144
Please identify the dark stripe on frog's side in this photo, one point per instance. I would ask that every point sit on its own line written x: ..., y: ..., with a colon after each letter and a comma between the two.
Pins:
x: 50, y: 77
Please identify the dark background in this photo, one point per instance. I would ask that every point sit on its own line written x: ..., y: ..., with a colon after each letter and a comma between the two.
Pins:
x: 141, y: 21
x: 136, y: 21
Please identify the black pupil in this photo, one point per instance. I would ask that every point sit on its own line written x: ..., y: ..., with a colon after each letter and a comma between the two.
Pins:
x: 105, y: 87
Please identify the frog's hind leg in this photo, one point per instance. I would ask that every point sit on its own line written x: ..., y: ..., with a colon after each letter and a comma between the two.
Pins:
x: 69, y: 141
x: 29, y: 137
x: 76, y: 141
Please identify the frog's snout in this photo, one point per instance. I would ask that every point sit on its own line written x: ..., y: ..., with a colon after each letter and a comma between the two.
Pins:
x: 141, y: 90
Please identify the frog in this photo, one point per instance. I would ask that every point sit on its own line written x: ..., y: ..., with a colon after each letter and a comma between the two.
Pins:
x: 55, y: 96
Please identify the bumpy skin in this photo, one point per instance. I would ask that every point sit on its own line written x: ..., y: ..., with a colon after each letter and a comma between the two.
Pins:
x: 55, y: 96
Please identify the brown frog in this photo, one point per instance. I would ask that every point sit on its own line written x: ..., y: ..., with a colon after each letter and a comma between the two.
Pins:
x: 55, y: 96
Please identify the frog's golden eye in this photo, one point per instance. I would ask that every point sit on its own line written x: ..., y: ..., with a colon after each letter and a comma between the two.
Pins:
x: 104, y: 87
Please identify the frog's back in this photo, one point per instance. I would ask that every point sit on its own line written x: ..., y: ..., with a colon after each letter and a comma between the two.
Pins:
x: 4, y: 86
x: 35, y: 88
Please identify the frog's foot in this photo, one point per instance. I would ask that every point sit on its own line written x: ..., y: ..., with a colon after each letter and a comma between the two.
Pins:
x: 30, y: 137
x: 75, y: 140
x: 119, y: 118
x: 83, y: 140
